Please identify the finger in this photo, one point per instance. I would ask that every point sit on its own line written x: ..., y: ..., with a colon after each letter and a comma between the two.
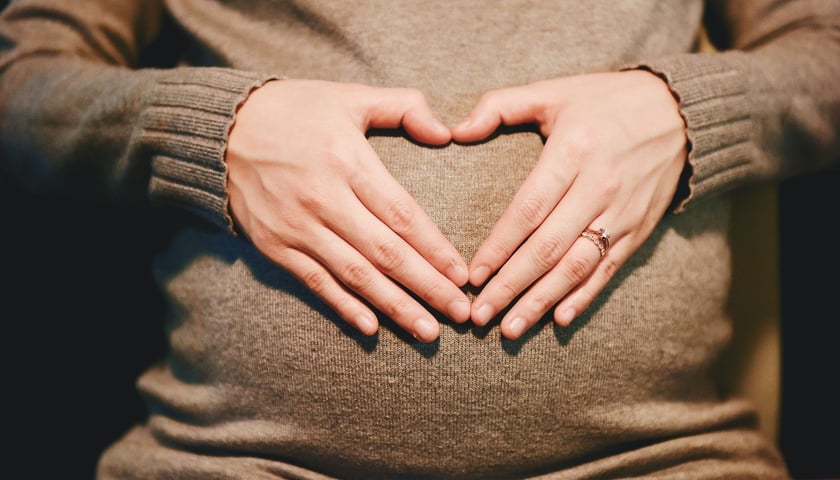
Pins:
x: 323, y: 284
x: 396, y: 208
x: 580, y: 298
x: 393, y: 107
x: 508, y: 106
x: 361, y: 276
x: 540, y: 253
x: 393, y: 256
x: 578, y: 263
x: 532, y: 203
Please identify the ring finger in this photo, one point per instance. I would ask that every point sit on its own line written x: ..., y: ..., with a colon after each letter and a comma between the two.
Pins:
x: 576, y: 265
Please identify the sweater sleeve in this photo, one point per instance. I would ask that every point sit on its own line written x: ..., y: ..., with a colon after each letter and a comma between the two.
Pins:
x: 79, y: 114
x: 766, y: 105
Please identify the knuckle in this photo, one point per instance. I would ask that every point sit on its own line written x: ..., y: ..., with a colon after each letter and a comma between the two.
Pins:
x: 317, y: 280
x: 400, y: 216
x: 343, y: 304
x: 296, y: 226
x: 266, y: 240
x: 432, y: 292
x: 387, y: 256
x: 539, y: 304
x: 331, y: 156
x: 508, y: 290
x: 576, y: 268
x: 532, y: 212
x: 609, y: 186
x: 394, y: 308
x: 580, y: 143
x: 498, y: 249
x: 278, y: 249
x: 547, y: 250
x: 313, y: 200
x: 357, y: 276
x: 610, y: 267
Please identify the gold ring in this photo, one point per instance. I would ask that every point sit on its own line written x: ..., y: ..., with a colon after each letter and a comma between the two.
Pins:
x: 600, y: 237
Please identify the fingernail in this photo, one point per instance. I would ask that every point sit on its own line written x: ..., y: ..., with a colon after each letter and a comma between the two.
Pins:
x: 366, y: 324
x: 459, y: 273
x: 516, y: 327
x: 479, y: 275
x: 566, y: 316
x: 459, y: 310
x: 484, y: 314
x: 425, y: 329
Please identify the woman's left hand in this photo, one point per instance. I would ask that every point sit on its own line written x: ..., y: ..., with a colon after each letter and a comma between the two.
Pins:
x: 615, y: 148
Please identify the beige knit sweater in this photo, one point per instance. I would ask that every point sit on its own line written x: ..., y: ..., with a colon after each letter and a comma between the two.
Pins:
x: 263, y: 381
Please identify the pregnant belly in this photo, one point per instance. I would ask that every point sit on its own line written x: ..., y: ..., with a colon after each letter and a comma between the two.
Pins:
x: 259, y: 366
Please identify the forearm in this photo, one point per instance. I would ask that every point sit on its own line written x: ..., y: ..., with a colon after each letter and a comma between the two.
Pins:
x: 766, y: 106
x: 79, y: 117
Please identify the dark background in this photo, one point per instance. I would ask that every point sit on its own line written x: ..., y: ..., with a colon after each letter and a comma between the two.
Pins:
x: 83, y: 319
x: 809, y: 265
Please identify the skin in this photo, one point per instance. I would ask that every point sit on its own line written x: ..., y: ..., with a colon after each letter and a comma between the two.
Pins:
x: 615, y: 148
x: 308, y: 190
x: 311, y: 194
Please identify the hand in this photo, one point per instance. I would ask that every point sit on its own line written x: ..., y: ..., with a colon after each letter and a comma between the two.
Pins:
x: 311, y: 194
x: 615, y: 148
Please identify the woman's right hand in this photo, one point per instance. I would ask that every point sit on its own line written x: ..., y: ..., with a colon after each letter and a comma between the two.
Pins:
x: 308, y: 190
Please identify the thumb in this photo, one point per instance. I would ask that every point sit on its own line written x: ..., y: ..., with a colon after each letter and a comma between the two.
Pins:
x: 392, y: 107
x: 508, y: 106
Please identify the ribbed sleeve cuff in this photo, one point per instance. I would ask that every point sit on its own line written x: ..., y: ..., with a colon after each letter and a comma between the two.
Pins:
x: 186, y: 122
x: 712, y: 94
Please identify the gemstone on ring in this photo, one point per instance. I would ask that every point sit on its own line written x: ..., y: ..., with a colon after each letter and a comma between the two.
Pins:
x: 605, y: 237
x: 600, y: 237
